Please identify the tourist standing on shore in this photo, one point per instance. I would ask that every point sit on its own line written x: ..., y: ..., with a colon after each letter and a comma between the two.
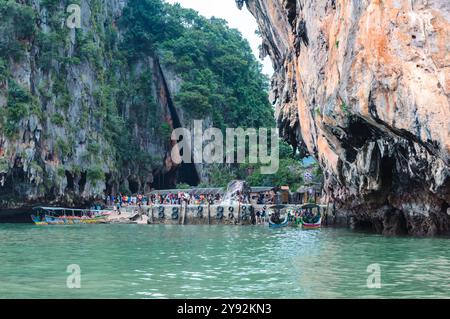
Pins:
x: 258, y: 217
x: 118, y: 207
x: 253, y: 217
x: 263, y: 214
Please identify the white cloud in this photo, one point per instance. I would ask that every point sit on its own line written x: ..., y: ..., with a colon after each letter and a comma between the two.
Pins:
x: 239, y: 19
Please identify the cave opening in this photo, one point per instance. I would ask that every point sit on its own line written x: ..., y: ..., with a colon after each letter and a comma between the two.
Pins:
x: 109, y: 185
x: 291, y: 9
x: 360, y: 132
x: 445, y: 206
x: 82, y: 182
x: 387, y: 172
x: 14, y: 184
x: 7, y: 187
x: 186, y: 172
x: 402, y: 224
x: 133, y: 185
x: 70, y: 182
x: 164, y: 180
x: 393, y: 223
x: 366, y: 225
x: 350, y: 153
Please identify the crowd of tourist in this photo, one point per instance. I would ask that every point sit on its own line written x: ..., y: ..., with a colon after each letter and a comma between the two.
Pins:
x: 181, y: 197
x: 163, y: 199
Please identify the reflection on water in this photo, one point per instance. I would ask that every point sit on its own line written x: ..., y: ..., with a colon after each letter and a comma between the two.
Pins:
x: 135, y: 261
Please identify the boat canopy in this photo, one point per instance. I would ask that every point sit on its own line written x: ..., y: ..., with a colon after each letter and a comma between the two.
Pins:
x: 62, y: 210
x: 59, y: 209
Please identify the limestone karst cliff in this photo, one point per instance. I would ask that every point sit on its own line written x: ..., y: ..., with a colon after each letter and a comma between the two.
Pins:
x: 78, y: 119
x: 88, y: 110
x: 364, y: 86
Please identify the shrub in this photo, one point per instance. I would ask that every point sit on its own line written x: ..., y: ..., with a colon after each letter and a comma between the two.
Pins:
x: 4, y: 72
x: 60, y: 171
x: 183, y: 186
x: 57, y: 119
x: 95, y: 174
x: 4, y: 165
x: 344, y: 107
x: 93, y: 148
x: 63, y: 102
x: 166, y: 131
x: 18, y: 24
x: 19, y: 100
x: 63, y: 147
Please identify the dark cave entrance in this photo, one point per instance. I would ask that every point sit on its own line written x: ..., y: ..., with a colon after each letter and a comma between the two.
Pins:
x: 110, y: 189
x: 133, y: 185
x: 164, y: 180
x: 186, y: 172
x: 359, y: 132
x: 15, y: 184
x: 367, y: 226
x: 70, y: 183
x: 82, y: 182
x: 387, y: 172
x: 7, y: 189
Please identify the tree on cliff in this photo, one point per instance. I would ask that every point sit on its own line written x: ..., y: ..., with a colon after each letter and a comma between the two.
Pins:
x: 221, y: 77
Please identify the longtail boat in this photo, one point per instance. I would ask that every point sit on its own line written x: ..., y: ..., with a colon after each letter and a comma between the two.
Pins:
x: 68, y: 216
x: 277, y: 213
x: 313, y: 219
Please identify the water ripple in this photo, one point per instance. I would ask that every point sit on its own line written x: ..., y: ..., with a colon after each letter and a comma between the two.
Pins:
x: 134, y: 261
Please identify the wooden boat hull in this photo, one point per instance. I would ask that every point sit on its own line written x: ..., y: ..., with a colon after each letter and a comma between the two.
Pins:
x: 38, y: 221
x: 50, y: 220
x: 99, y: 220
x: 54, y: 220
x: 312, y: 225
x: 283, y: 224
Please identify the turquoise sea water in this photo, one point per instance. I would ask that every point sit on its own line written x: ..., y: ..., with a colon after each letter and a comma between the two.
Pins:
x: 140, y: 261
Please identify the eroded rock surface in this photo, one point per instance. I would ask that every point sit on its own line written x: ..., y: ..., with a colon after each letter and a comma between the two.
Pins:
x: 364, y: 86
x: 66, y: 84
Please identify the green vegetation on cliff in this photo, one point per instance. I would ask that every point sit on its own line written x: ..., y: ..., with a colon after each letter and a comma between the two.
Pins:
x: 221, y: 77
x: 290, y: 172
x: 17, y: 25
x: 83, y: 103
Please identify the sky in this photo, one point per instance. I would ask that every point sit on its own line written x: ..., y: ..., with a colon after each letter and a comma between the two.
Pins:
x: 239, y: 19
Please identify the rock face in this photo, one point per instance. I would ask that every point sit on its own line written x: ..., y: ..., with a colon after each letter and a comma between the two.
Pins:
x: 364, y: 86
x: 66, y: 83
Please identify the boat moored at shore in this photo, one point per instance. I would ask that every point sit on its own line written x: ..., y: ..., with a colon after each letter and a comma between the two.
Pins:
x: 311, y: 217
x: 307, y: 216
x: 68, y: 216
